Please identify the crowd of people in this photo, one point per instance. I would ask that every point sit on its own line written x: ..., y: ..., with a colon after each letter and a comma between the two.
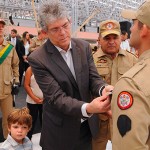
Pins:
x: 82, y: 99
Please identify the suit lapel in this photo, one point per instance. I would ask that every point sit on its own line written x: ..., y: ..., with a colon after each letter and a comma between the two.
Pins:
x: 76, y: 56
x: 60, y: 62
x: 17, y: 42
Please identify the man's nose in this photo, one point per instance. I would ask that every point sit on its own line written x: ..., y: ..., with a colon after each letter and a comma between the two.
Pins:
x: 111, y: 41
x: 62, y: 30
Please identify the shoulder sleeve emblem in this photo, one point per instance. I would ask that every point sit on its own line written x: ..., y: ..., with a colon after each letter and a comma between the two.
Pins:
x: 124, y: 100
x: 124, y: 124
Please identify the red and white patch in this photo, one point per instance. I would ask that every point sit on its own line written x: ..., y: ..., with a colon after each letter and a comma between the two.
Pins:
x: 109, y: 26
x: 125, y: 100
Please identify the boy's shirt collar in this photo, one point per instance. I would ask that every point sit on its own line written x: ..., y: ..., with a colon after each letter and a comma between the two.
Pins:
x: 14, y: 143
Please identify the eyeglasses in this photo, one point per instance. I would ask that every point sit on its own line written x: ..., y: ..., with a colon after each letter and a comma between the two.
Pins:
x: 57, y: 30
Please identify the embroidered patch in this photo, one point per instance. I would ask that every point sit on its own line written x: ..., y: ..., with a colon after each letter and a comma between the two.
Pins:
x: 123, y: 124
x: 125, y: 100
x: 102, y: 61
x: 109, y: 26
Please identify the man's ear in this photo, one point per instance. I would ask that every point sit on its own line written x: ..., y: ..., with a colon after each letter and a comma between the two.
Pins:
x: 144, y: 31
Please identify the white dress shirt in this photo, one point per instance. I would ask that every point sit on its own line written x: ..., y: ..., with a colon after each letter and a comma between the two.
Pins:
x: 68, y: 59
x: 26, y: 46
x: 13, y: 41
x: 125, y: 45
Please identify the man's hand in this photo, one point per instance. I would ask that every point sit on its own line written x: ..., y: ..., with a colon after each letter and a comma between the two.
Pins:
x: 109, y: 113
x: 15, y: 89
x: 107, y: 89
x: 98, y: 105
x: 38, y: 100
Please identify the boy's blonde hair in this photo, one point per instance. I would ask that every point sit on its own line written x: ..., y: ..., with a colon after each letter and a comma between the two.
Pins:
x: 20, y: 116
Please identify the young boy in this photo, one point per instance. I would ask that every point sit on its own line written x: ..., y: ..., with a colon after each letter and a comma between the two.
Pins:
x: 19, y: 124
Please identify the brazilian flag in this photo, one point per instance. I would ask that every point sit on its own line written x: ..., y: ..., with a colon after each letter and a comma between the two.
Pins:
x: 4, y: 52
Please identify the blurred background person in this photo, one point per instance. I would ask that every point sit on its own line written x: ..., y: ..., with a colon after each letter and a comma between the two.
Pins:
x: 125, y: 41
x: 26, y: 43
x: 34, y: 99
x: 20, y: 51
x: 37, y: 41
x: 31, y: 37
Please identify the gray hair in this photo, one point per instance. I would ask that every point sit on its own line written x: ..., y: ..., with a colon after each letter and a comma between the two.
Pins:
x: 51, y: 11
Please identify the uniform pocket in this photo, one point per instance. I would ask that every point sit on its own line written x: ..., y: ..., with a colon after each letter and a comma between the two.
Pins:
x: 8, y: 59
x: 7, y: 71
x: 7, y: 87
x: 103, y: 72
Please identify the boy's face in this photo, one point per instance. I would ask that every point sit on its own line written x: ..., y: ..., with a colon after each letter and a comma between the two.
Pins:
x: 18, y: 132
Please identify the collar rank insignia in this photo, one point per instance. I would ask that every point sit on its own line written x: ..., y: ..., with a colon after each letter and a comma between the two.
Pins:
x: 124, y: 100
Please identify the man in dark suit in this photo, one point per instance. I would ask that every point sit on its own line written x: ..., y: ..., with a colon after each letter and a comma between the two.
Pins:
x: 20, y: 51
x: 65, y: 71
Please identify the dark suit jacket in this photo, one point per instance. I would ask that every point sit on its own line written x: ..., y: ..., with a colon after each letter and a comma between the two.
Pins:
x: 63, y: 95
x: 19, y: 48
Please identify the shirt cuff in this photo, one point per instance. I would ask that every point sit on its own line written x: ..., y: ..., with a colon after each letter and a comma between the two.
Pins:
x: 83, y: 110
x: 101, y: 89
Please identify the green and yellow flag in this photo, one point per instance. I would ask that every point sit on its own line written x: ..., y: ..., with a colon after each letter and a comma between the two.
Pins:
x: 4, y: 52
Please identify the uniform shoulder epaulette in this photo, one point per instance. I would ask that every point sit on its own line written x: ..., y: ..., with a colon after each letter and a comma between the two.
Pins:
x: 34, y: 38
x: 9, y: 42
x: 134, y: 70
x: 136, y: 75
x: 131, y: 53
x: 95, y: 54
